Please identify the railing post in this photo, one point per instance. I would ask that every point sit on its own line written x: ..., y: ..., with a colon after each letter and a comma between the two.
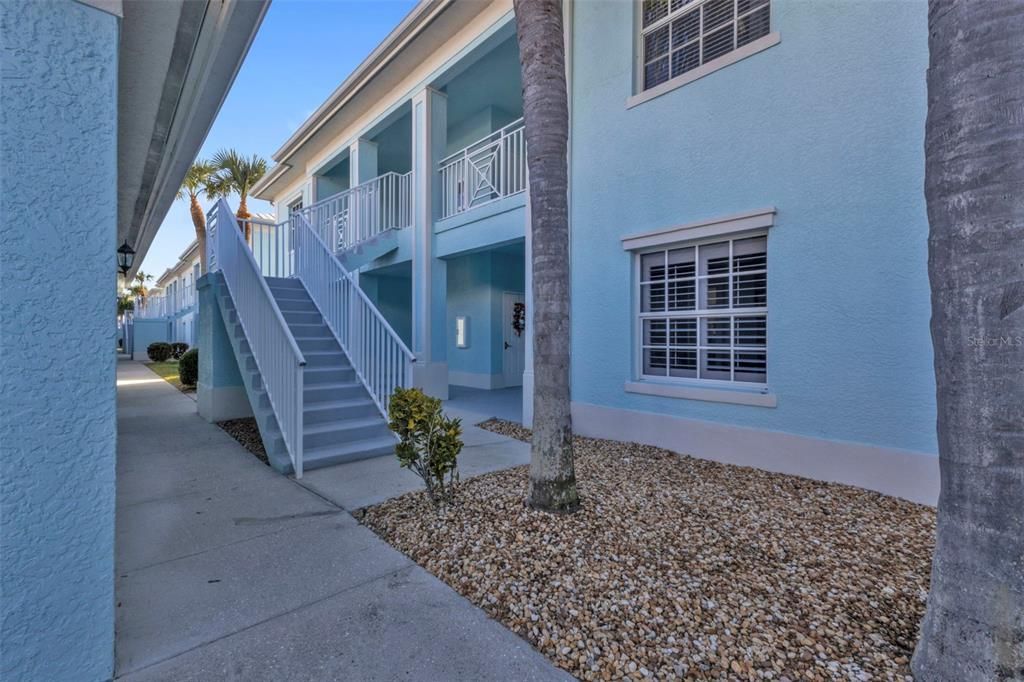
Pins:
x: 299, y: 423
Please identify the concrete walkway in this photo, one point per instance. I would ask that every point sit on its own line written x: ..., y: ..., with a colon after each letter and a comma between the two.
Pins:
x: 229, y: 571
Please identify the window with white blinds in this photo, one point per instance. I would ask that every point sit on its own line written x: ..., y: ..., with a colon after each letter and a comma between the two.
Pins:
x: 679, y: 35
x: 703, y: 311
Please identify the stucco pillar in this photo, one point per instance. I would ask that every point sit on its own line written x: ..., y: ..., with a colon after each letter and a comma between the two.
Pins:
x: 220, y: 391
x: 429, y: 274
x: 58, y: 389
x: 528, y: 295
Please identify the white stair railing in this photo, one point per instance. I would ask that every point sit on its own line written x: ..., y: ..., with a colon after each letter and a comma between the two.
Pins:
x: 354, y: 215
x: 277, y: 355
x: 487, y: 170
x: 380, y: 358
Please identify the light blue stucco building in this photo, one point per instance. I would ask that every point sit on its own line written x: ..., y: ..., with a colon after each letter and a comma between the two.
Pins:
x: 96, y: 132
x: 748, y: 251
x: 798, y: 132
x: 748, y: 226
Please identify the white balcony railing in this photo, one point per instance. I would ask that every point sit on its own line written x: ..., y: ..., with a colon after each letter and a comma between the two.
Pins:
x: 151, y: 307
x: 344, y: 219
x: 271, y: 247
x: 487, y: 170
x: 274, y: 349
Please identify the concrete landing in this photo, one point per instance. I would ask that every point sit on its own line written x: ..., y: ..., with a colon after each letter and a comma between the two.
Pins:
x: 371, y: 481
x: 227, y: 570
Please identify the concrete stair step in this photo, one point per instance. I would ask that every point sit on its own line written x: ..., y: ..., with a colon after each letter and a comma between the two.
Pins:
x: 295, y: 306
x: 285, y: 283
x: 319, y: 393
x: 314, y: 376
x: 330, y: 410
x: 319, y: 358
x: 319, y: 343
x: 325, y: 434
x: 310, y: 331
x: 301, y: 317
x: 316, y: 458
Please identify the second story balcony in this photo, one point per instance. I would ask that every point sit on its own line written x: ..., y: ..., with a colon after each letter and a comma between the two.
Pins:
x: 489, y: 169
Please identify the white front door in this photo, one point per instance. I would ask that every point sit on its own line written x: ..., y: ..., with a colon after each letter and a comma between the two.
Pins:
x: 513, y: 341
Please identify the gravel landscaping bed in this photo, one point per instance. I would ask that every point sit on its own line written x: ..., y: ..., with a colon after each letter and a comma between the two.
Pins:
x: 679, y: 567
x: 246, y: 432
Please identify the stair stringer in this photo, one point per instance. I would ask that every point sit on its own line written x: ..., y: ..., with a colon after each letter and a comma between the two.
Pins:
x: 259, y: 401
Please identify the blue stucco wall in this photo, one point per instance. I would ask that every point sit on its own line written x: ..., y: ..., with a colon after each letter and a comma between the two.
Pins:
x: 218, y: 367
x: 827, y: 128
x: 469, y: 294
x: 393, y: 297
x: 476, y: 285
x: 150, y: 331
x: 57, y: 392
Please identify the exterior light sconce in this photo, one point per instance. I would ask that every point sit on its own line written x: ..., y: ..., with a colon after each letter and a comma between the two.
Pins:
x: 125, y: 258
x: 462, y: 332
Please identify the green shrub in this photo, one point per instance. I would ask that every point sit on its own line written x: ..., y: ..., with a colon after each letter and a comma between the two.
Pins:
x: 178, y: 349
x: 429, y: 443
x: 188, y: 367
x: 159, y: 351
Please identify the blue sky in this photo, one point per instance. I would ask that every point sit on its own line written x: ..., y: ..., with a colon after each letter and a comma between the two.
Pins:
x: 303, y: 51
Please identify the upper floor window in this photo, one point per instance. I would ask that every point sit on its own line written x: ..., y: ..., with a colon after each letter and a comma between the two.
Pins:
x: 678, y: 36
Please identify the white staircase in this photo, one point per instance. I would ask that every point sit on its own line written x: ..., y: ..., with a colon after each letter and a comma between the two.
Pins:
x: 318, y: 360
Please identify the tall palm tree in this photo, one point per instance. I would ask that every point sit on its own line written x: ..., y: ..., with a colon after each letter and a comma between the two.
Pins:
x: 239, y: 174
x: 201, y: 179
x: 974, y: 187
x: 546, y: 113
x: 138, y: 288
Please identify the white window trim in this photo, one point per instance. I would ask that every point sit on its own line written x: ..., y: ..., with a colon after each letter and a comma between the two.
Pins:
x: 728, y: 59
x: 725, y: 226
x: 737, y: 396
x: 735, y: 226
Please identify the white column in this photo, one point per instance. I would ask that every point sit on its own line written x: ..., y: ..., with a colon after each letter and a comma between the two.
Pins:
x: 429, y: 274
x: 362, y: 166
x: 362, y: 162
x: 528, y: 355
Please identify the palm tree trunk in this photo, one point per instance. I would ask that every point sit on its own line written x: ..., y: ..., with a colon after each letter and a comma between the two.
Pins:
x: 199, y: 221
x: 545, y: 110
x: 243, y: 216
x: 974, y: 186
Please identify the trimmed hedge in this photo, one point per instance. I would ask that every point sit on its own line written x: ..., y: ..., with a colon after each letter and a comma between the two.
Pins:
x: 159, y: 351
x: 178, y: 349
x: 188, y: 367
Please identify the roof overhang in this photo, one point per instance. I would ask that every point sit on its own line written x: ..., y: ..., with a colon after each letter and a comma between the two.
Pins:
x: 178, y: 59
x: 428, y: 25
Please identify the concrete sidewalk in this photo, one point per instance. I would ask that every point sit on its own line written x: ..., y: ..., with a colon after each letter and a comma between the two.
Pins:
x: 228, y: 571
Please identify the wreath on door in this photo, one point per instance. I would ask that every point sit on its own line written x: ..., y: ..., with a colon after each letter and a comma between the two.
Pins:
x: 519, y: 318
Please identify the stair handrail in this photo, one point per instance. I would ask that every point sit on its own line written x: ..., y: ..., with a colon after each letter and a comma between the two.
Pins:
x: 381, y: 360
x: 274, y: 349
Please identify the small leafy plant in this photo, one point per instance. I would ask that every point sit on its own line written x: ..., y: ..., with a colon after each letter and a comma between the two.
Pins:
x: 159, y: 351
x: 188, y: 367
x: 178, y: 349
x: 429, y: 442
